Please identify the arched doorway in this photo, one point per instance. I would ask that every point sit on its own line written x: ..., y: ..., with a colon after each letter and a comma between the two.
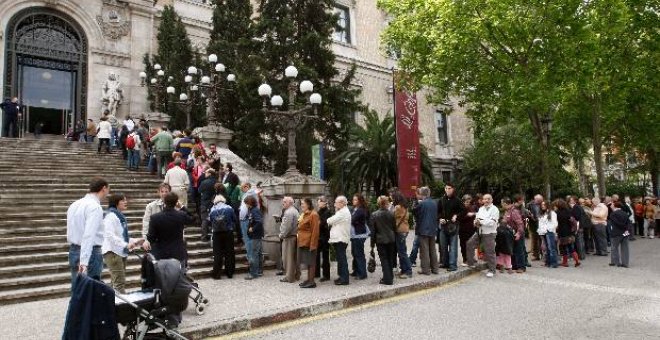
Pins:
x: 46, y: 68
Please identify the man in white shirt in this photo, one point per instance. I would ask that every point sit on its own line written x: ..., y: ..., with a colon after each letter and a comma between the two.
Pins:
x: 486, y: 220
x: 84, y: 231
x: 153, y: 208
x: 179, y: 181
x: 340, y: 235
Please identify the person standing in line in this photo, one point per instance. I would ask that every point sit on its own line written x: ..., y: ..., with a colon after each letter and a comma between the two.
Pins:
x: 534, y: 208
x: 649, y: 215
x: 246, y: 190
x: 340, y: 234
x: 179, y: 181
x: 401, y: 216
x: 449, y: 207
x: 638, y: 208
x: 653, y: 229
x: 133, y: 145
x: 255, y: 233
x: 308, y: 241
x: 163, y: 144
x: 547, y: 231
x: 359, y: 235
x: 166, y: 230
x: 153, y: 208
x: 288, y: 232
x: 486, y: 220
x: 566, y: 227
x: 587, y: 226
x: 207, y: 194
x: 84, y: 231
x: 116, y: 242
x: 466, y: 226
x: 514, y: 220
x: 323, y: 252
x: 621, y: 233
x: 222, y: 220
x: 104, y: 132
x: 426, y: 215
x: 599, y: 221
x: 91, y: 131
x: 383, y: 231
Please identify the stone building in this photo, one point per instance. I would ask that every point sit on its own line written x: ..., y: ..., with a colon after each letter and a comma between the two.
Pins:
x: 56, y: 56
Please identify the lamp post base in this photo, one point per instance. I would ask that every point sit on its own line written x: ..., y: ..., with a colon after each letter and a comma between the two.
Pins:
x: 214, y: 134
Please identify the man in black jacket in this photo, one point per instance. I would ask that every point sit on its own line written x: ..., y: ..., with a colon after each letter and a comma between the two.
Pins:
x: 449, y: 206
x: 383, y: 231
x: 323, y: 252
x: 12, y: 111
x: 207, y: 194
x: 166, y: 230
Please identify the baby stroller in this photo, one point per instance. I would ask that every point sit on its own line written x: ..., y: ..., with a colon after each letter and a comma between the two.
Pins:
x: 157, y: 307
x: 148, y: 277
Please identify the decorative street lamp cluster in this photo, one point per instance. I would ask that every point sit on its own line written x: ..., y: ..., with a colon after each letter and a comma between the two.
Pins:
x: 294, y: 116
x: 195, y: 80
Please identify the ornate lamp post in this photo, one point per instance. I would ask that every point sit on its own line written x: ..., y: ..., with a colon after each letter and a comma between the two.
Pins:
x: 157, y: 84
x: 294, y: 115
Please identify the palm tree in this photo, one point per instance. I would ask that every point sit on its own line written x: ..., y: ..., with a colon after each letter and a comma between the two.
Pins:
x: 370, y: 161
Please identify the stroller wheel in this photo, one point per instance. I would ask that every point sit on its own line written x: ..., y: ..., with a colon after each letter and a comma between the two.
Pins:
x: 200, y: 309
x: 205, y: 301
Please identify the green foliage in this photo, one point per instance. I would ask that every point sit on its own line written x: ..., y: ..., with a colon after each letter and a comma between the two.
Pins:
x: 370, y: 161
x: 625, y: 188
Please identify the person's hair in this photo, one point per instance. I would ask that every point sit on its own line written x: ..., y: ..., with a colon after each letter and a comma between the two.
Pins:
x: 467, y: 198
x: 220, y: 188
x: 246, y: 184
x: 197, y: 139
x: 250, y: 201
x: 309, y: 203
x: 518, y: 197
x: 449, y: 184
x: 425, y: 192
x: 229, y: 166
x: 211, y: 172
x: 170, y: 200
x: 362, y: 203
x: 114, y: 200
x: 506, y: 200
x: 617, y: 204
x: 383, y: 201
x: 164, y: 185
x: 212, y: 144
x: 560, y: 204
x: 97, y: 184
x: 323, y: 199
x: 398, y: 199
x: 342, y: 199
x: 187, y: 132
x: 104, y: 119
x: 176, y: 154
x: 91, y: 120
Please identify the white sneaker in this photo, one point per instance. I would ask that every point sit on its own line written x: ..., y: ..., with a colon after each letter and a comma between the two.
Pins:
x: 651, y: 236
x: 489, y: 274
x: 464, y: 264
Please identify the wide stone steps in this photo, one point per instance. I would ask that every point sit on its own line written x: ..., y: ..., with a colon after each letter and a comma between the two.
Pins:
x: 39, y: 179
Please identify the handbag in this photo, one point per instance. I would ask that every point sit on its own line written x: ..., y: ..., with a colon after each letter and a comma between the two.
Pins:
x: 566, y: 240
x: 452, y: 228
x: 371, y: 266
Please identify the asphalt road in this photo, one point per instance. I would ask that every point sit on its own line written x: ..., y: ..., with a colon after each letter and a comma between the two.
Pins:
x: 593, y: 301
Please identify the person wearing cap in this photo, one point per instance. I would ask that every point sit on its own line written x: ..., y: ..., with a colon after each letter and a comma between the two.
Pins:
x: 223, y: 237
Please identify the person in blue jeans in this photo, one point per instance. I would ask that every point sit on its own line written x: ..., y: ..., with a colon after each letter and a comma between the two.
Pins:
x: 414, y: 251
x: 255, y: 233
x: 402, y: 228
x: 359, y: 234
x: 449, y: 208
x: 547, y: 229
x: 340, y: 232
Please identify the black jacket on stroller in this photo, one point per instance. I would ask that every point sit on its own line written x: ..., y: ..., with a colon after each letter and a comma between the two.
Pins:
x: 91, y: 312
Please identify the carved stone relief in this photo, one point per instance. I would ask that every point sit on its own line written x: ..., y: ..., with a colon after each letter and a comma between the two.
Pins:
x: 113, y: 20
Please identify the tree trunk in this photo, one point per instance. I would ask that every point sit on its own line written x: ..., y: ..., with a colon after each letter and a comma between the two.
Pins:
x: 582, y: 179
x: 598, y: 145
x: 654, y: 170
x: 544, y: 142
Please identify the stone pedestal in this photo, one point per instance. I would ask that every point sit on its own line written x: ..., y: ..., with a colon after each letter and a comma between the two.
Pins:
x: 157, y: 119
x: 214, y: 134
x: 275, y: 188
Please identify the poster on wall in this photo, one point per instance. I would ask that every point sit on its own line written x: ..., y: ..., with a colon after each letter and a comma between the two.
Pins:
x: 317, y: 161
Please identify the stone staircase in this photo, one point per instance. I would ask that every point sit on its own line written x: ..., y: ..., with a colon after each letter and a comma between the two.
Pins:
x: 39, y: 179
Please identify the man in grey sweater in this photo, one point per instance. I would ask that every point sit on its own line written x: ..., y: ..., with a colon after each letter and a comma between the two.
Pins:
x: 288, y: 232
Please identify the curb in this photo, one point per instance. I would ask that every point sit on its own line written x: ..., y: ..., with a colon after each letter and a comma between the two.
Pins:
x: 249, y: 323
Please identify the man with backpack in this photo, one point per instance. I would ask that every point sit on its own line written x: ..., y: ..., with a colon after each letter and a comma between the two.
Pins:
x: 133, y: 144
x: 222, y: 220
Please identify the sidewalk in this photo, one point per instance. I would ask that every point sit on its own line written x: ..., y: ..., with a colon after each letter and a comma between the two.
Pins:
x: 236, y: 304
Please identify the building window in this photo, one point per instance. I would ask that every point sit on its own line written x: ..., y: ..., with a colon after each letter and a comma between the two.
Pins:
x: 441, y: 125
x: 343, y: 31
x: 446, y: 176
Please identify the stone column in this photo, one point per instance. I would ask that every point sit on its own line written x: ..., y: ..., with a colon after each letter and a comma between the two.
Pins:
x: 214, y: 134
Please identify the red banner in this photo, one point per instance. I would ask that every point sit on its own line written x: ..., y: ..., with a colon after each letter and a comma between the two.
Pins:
x: 407, y: 141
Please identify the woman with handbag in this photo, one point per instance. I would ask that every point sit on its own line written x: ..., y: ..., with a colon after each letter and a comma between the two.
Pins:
x: 402, y: 229
x: 566, y: 229
x: 308, y: 240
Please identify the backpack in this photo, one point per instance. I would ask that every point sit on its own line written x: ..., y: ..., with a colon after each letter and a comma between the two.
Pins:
x: 130, y: 141
x: 219, y: 224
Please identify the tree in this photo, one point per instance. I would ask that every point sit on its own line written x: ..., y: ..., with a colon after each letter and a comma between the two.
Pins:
x: 299, y: 33
x: 370, y: 161
x: 175, y: 55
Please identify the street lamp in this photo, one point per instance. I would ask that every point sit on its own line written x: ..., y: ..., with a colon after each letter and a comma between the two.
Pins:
x: 294, y: 115
x: 157, y: 83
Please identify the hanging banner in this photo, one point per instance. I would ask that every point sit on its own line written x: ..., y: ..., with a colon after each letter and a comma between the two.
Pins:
x: 407, y: 141
x: 317, y: 161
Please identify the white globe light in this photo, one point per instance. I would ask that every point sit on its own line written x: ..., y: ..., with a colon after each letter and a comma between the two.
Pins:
x: 170, y: 89
x: 276, y: 101
x: 187, y: 79
x: 206, y: 80
x: 143, y: 75
x: 170, y: 78
x: 306, y: 86
x: 160, y: 73
x: 192, y: 70
x: 183, y: 97
x: 153, y: 80
x: 220, y: 68
x: 315, y: 99
x: 213, y: 58
x: 291, y: 72
x: 231, y: 77
x: 157, y: 67
x: 265, y: 90
x: 194, y: 88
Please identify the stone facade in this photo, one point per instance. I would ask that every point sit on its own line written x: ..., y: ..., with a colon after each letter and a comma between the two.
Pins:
x: 119, y: 32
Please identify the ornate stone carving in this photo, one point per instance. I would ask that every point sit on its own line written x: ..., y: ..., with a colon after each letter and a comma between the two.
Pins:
x: 112, y: 94
x: 113, y: 20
